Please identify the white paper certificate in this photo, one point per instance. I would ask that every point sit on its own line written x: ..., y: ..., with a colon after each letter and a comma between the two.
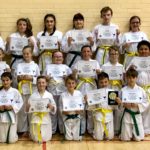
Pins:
x: 96, y: 96
x: 107, y: 32
x: 39, y: 105
x: 132, y: 96
x: 54, y: 70
x: 17, y: 44
x: 25, y: 69
x: 114, y: 72
x: 72, y: 103
x: 87, y: 68
x: 6, y: 99
x: 133, y: 38
x: 48, y: 42
x: 141, y: 63
x: 2, y: 67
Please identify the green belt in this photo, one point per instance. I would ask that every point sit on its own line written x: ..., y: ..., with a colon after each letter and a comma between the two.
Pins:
x: 8, y: 132
x: 132, y: 113
x: 74, y: 116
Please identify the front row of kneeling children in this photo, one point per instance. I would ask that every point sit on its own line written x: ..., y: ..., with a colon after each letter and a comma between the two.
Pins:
x: 40, y: 126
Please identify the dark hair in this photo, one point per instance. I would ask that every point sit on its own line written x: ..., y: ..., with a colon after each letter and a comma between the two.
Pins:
x: 45, y: 29
x: 133, y: 17
x: 144, y: 42
x: 84, y: 46
x: 114, y: 47
x: 28, y: 31
x: 102, y: 76
x: 71, y: 77
x: 31, y: 47
x: 42, y: 77
x: 6, y: 74
x: 131, y: 73
x: 76, y: 17
x: 105, y: 9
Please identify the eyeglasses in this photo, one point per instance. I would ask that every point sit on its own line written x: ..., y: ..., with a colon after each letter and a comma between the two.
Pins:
x: 135, y: 22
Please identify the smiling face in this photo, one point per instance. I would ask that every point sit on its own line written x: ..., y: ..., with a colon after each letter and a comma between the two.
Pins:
x: 103, y: 83
x: 41, y: 84
x: 144, y: 51
x: 113, y: 56
x: 27, y: 54
x: 135, y: 24
x: 57, y: 58
x: 70, y: 84
x: 86, y: 53
x: 78, y: 24
x: 6, y: 82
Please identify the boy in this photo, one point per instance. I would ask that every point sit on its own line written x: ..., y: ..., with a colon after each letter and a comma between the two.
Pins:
x: 131, y: 122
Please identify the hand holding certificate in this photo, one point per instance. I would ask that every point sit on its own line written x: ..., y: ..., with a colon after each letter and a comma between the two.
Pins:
x: 132, y: 96
x: 39, y: 105
x: 74, y: 103
x: 49, y: 42
x: 133, y: 38
x: 96, y: 96
x: 17, y: 44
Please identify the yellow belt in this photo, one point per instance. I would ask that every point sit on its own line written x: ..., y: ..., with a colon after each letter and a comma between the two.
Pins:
x: 106, y: 49
x: 46, y: 53
x: 116, y: 83
x: 104, y: 112
x: 41, y: 116
x: 85, y: 80
x: 24, y: 82
x: 146, y: 89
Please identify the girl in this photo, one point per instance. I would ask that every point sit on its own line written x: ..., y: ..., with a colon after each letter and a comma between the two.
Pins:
x: 74, y: 39
x: 86, y: 81
x: 45, y: 132
x: 56, y: 73
x: 129, y: 48
x: 71, y: 119
x: 49, y: 30
x: 27, y: 73
x: 24, y: 30
x: 10, y: 104
x: 111, y: 35
x: 3, y: 66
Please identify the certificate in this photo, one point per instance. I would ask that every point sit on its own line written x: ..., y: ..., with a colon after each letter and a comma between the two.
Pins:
x: 6, y: 99
x: 72, y: 103
x: 17, y: 44
x: 132, y: 96
x: 133, y: 38
x: 48, y: 42
x: 141, y: 63
x: 25, y: 69
x: 39, y: 105
x: 107, y: 32
x: 2, y: 67
x: 54, y: 70
x: 114, y: 72
x: 96, y: 96
x: 86, y: 68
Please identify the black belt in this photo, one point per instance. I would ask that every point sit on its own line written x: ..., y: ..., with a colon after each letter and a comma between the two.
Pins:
x: 15, y: 58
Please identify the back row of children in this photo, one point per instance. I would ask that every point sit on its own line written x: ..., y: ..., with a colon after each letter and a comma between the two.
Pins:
x: 25, y: 72
x: 76, y: 109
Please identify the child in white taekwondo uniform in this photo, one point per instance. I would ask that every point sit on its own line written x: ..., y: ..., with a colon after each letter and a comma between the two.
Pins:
x: 10, y: 104
x: 129, y: 40
x: 71, y: 118
x: 27, y: 73
x: 45, y: 55
x: 115, y: 79
x: 3, y: 66
x: 143, y: 79
x: 56, y: 73
x: 74, y: 39
x: 105, y: 35
x: 103, y: 112
x: 40, y: 122
x: 24, y: 30
x: 131, y: 121
x: 86, y: 81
